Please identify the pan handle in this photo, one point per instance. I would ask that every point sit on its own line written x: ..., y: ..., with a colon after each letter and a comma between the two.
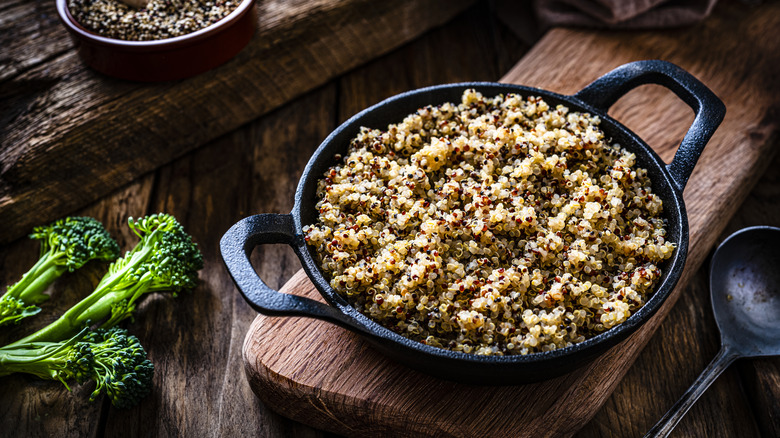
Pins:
x: 606, y: 90
x: 236, y: 245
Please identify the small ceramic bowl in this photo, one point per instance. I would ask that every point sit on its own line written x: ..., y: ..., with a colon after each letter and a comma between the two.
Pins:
x: 163, y: 60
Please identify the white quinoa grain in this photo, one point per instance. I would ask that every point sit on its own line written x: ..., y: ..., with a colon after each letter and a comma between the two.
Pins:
x: 494, y: 226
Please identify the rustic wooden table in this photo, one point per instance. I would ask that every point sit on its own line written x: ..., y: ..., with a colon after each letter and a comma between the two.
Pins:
x: 195, y: 340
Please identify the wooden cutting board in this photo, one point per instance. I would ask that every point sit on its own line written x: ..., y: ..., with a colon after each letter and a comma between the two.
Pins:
x: 327, y: 377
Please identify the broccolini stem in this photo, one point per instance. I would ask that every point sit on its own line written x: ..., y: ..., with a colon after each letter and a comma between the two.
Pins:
x: 15, y: 289
x: 22, y: 298
x: 33, y: 292
x: 83, y: 312
x: 29, y: 289
x: 14, y: 360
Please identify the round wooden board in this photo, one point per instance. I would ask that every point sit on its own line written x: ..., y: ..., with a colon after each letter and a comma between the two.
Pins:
x: 327, y: 377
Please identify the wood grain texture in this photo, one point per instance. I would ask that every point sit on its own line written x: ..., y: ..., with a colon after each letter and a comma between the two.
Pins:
x: 31, y: 35
x: 334, y: 381
x: 255, y: 169
x: 94, y: 134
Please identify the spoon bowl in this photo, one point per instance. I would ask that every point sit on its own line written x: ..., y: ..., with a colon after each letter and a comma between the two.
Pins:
x: 745, y: 293
x: 745, y: 289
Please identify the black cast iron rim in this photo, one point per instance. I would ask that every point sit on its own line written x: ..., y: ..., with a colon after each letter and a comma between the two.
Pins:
x: 668, y: 182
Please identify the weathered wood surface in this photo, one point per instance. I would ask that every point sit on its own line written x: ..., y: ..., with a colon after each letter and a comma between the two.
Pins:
x: 94, y: 134
x: 195, y: 340
x: 323, y: 375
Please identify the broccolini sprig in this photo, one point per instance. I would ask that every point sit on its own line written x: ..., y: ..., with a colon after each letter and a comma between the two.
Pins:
x: 115, y: 360
x: 66, y: 245
x: 164, y: 260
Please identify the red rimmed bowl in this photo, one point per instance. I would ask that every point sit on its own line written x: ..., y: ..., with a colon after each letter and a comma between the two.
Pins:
x: 168, y: 59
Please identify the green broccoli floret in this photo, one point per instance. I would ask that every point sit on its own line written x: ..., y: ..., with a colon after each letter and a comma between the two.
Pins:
x: 165, y: 259
x: 66, y: 245
x: 115, y: 360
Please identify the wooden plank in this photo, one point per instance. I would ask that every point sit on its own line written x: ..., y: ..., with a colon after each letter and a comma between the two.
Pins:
x: 31, y: 35
x: 473, y: 47
x: 94, y: 134
x: 322, y: 375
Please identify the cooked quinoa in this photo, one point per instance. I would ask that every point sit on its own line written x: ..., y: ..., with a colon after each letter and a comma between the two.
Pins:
x: 495, y: 226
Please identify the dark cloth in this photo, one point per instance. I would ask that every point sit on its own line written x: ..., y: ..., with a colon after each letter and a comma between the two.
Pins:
x: 622, y: 14
x: 528, y: 19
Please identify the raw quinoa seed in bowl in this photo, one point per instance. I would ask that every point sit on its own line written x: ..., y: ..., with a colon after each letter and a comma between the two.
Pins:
x: 166, y: 40
x: 158, y: 20
x: 414, y: 229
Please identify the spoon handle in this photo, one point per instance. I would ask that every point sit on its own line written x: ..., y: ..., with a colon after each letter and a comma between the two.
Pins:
x: 665, y: 425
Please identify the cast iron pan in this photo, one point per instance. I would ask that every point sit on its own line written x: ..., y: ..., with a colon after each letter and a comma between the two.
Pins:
x: 668, y: 182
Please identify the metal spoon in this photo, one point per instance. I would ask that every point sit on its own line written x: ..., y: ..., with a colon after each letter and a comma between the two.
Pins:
x: 745, y: 291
